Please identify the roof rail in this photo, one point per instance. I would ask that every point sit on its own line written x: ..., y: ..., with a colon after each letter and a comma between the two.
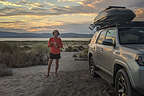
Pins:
x: 114, y: 7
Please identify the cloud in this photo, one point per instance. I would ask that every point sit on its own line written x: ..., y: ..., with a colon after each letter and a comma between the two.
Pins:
x: 67, y: 27
x: 76, y: 27
x: 86, y: 7
x: 74, y: 10
x: 45, y: 16
x: 136, y: 3
x: 22, y: 4
x: 7, y: 11
x: 29, y: 23
x: 6, y: 3
x: 139, y: 14
x: 69, y: 0
x: 101, y: 4
x: 9, y: 22
x: 14, y: 25
x: 12, y: 30
x: 50, y: 4
x: 90, y: 3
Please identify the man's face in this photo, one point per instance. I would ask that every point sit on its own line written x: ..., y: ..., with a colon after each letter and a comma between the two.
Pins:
x: 56, y: 34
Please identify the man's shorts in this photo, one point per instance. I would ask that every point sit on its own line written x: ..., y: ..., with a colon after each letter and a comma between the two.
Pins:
x: 55, y: 56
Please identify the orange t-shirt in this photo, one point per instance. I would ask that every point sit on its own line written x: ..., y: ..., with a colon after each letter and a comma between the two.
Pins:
x: 55, y: 44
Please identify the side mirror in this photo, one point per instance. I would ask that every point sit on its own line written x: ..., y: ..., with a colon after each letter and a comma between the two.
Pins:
x: 108, y: 42
x: 92, y: 26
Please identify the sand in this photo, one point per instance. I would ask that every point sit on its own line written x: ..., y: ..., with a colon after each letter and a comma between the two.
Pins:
x: 73, y: 80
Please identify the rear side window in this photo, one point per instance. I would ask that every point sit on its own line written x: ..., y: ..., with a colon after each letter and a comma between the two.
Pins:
x: 101, y: 37
x: 131, y: 35
x: 111, y: 34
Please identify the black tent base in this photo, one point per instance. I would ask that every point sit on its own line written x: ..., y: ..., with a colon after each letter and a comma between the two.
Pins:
x: 136, y: 24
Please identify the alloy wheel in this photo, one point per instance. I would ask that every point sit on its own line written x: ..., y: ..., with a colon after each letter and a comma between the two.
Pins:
x: 122, y: 88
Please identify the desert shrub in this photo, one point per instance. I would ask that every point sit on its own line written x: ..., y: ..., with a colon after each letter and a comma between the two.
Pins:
x: 75, y: 55
x: 84, y: 53
x: 75, y: 48
x: 71, y: 49
x: 6, y: 48
x: 79, y: 47
x: 14, y: 56
x: 5, y: 71
x: 68, y: 49
x: 26, y: 47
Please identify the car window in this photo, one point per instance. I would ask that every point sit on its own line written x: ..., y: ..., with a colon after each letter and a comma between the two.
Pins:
x: 101, y: 37
x: 111, y: 34
x: 131, y: 35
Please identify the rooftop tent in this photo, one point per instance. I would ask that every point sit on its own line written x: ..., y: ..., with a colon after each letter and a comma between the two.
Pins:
x: 114, y: 15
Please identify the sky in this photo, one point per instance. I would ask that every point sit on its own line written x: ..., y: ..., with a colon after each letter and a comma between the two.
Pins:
x: 68, y: 16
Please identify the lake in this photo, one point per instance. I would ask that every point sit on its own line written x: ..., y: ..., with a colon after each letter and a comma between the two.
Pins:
x: 42, y: 39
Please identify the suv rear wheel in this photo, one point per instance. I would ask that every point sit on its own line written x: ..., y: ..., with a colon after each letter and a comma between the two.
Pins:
x: 92, y: 68
x: 122, y: 84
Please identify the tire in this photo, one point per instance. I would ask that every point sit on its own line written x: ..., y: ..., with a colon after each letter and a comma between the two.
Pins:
x: 122, y: 84
x: 92, y: 68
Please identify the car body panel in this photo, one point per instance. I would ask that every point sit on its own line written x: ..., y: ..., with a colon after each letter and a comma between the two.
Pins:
x: 106, y: 57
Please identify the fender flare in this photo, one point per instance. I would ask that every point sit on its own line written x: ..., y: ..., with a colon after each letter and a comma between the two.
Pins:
x: 127, y: 69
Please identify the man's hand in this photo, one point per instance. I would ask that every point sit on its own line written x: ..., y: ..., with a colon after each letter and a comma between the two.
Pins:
x: 55, y: 44
x: 51, y: 43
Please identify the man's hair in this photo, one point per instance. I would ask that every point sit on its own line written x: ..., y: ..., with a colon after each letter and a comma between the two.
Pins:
x: 56, y: 31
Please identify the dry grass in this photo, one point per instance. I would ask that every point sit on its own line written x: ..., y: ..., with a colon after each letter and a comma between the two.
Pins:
x: 17, y: 56
x: 28, y: 53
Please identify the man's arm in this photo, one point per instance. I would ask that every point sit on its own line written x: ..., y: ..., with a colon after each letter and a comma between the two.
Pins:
x: 50, y: 43
x: 61, y: 44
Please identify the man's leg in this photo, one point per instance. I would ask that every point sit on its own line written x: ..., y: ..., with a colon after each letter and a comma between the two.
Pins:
x: 49, y: 66
x: 57, y: 66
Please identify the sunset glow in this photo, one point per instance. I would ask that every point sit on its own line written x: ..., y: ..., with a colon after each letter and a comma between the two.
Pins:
x: 47, y: 15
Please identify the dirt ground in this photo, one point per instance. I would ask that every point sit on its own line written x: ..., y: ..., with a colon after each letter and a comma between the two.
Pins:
x: 77, y: 83
x: 73, y: 80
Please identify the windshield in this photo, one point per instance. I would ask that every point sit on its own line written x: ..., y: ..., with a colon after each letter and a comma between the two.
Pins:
x: 131, y: 35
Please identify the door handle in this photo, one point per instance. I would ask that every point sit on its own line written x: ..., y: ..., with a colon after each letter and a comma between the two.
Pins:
x: 101, y: 49
x: 117, y: 52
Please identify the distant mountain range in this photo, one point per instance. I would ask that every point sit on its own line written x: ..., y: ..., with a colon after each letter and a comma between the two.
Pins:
x: 41, y: 35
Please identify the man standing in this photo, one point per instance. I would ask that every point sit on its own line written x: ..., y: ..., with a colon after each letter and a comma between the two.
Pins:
x: 54, y: 43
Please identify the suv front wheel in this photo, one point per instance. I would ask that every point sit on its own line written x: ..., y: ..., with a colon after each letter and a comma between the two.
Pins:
x: 122, y: 84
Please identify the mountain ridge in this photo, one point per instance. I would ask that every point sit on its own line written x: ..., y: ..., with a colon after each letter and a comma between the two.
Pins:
x: 42, y: 35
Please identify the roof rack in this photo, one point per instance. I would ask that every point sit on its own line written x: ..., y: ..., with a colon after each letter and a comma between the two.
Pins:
x: 103, y: 27
x: 114, y: 7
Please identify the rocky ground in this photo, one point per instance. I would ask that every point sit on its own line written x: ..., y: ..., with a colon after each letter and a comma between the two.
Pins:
x: 73, y: 80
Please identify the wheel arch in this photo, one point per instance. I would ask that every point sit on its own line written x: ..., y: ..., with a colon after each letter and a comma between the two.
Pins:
x: 122, y: 65
x: 89, y: 54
